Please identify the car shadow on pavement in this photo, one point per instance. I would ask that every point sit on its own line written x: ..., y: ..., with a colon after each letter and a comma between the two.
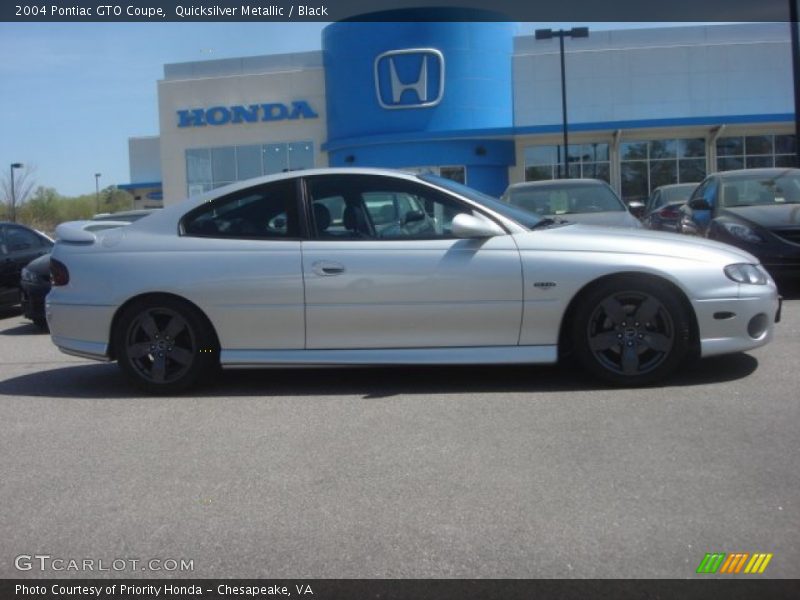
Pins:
x: 105, y: 380
x: 23, y: 329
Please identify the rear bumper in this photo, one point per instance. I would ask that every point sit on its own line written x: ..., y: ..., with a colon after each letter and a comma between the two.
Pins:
x: 80, y: 330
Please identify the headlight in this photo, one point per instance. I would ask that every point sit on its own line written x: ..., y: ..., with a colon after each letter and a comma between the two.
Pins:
x: 746, y: 273
x: 743, y: 232
x: 32, y: 277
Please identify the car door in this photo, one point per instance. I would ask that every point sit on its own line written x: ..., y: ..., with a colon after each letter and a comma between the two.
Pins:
x: 383, y: 269
x: 238, y: 258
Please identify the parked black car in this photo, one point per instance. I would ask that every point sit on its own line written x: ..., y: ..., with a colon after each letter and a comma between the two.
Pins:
x: 662, y: 210
x: 757, y: 210
x: 18, y: 246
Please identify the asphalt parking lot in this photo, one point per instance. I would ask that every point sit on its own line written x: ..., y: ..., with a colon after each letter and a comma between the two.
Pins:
x: 406, y: 472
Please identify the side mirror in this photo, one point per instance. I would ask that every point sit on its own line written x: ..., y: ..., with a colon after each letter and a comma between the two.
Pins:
x: 467, y: 226
x: 699, y: 204
x: 636, y: 208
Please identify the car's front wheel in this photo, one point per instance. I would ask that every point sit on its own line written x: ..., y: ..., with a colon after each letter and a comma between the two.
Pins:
x: 631, y: 332
x: 164, y: 345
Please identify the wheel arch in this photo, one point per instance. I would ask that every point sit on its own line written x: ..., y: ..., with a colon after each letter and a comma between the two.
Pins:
x: 564, y: 338
x: 154, y: 296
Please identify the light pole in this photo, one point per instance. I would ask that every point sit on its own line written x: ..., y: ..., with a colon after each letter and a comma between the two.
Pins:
x: 548, y: 34
x: 13, y: 212
x: 97, y: 191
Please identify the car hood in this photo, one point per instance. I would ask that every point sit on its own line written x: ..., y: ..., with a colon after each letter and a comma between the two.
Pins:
x: 616, y: 218
x: 588, y: 238
x: 773, y: 215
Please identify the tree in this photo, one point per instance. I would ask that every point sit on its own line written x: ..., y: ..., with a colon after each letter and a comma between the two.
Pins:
x: 42, y: 209
x: 24, y: 182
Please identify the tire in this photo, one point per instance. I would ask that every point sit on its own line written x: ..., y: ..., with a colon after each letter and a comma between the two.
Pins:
x: 41, y: 323
x: 165, y: 345
x: 631, y: 332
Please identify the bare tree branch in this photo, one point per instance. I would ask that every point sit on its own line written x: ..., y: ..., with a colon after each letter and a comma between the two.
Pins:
x: 24, y: 183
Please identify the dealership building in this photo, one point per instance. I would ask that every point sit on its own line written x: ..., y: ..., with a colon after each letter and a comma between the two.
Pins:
x: 479, y: 103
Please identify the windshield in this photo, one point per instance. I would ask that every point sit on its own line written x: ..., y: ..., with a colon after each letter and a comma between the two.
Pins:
x: 759, y: 189
x: 678, y: 193
x: 565, y: 198
x: 523, y: 217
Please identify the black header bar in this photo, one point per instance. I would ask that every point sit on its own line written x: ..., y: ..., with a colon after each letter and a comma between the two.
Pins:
x: 585, y: 11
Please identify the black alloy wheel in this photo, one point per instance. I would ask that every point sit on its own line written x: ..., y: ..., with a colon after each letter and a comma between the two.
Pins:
x: 631, y: 332
x: 164, y: 345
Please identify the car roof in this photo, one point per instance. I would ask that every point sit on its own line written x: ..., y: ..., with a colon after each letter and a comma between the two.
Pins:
x: 556, y: 183
x: 247, y: 183
x: 767, y: 172
x: 676, y: 185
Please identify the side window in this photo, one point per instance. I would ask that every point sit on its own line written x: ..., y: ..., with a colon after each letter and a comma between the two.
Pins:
x: 710, y: 192
x: 20, y: 240
x: 376, y: 207
x: 264, y: 212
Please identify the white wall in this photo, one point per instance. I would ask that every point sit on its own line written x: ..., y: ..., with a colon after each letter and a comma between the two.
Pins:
x: 231, y: 83
x: 663, y: 73
x: 144, y: 156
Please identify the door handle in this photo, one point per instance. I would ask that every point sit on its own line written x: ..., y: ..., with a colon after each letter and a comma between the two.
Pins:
x: 327, y: 268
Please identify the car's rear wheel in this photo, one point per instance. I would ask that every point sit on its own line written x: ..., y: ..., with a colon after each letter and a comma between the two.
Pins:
x: 164, y: 345
x: 631, y: 332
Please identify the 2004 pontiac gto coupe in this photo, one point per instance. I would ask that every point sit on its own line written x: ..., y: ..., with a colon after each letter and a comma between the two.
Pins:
x: 366, y: 266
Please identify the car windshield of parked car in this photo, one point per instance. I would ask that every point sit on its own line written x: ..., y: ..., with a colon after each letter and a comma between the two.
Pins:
x: 759, y: 190
x: 678, y: 193
x: 525, y: 218
x: 565, y: 199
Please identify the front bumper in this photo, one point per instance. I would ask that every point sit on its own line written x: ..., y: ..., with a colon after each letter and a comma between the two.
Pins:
x: 32, y: 298
x: 737, y: 324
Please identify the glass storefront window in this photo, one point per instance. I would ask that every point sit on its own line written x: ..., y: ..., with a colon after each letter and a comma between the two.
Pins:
x: 585, y: 160
x: 209, y: 168
x: 223, y: 165
x: 275, y: 159
x: 248, y: 162
x: 646, y: 165
x: 758, y: 144
x: 300, y: 156
x: 755, y: 151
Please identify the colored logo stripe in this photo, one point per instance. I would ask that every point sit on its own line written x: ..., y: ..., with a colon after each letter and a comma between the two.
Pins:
x: 734, y: 563
x: 758, y: 563
x: 711, y: 562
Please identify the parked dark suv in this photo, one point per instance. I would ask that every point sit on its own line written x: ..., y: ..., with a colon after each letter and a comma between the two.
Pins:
x: 757, y: 210
x: 18, y: 246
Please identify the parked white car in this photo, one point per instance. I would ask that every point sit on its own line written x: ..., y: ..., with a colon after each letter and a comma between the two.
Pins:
x: 362, y: 266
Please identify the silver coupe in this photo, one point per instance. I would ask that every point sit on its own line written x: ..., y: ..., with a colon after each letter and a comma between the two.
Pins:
x: 363, y: 267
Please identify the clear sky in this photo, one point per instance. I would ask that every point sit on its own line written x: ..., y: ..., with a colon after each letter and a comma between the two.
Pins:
x: 73, y: 93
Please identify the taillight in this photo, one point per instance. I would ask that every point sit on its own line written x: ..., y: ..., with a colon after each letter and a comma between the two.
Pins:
x: 59, y: 274
x: 670, y: 212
